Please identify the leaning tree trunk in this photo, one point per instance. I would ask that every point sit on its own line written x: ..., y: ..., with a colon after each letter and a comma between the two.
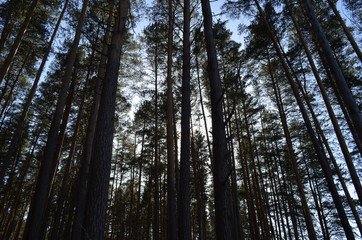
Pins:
x: 346, y: 30
x: 340, y: 80
x: 65, y: 186
x: 352, y: 170
x: 14, y: 48
x: 14, y: 144
x: 321, y: 157
x: 293, y: 160
x: 102, y: 151
x: 81, y: 196
x: 221, y: 170
x: 45, y: 178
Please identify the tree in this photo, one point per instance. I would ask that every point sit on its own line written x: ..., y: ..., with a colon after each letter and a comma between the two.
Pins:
x: 102, y: 153
x: 221, y: 170
x: 37, y: 210
x: 184, y: 209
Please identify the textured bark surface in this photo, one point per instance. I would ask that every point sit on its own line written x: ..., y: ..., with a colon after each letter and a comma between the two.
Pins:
x: 171, y: 164
x: 102, y: 150
x: 184, y: 204
x: 88, y: 143
x: 223, y: 202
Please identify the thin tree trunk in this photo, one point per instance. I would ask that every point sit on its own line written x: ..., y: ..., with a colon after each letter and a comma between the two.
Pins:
x: 102, y: 152
x: 65, y: 182
x: 203, y: 111
x: 7, y: 25
x: 199, y: 190
x: 346, y: 30
x: 14, y: 48
x: 171, y: 179
x: 14, y: 144
x: 254, y: 231
x: 37, y: 209
x: 156, y: 194
x: 9, y: 98
x: 293, y: 160
x: 184, y: 204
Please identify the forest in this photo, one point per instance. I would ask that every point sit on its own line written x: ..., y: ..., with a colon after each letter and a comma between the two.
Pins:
x: 180, y: 120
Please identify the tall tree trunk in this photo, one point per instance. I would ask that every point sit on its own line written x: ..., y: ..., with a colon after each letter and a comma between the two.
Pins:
x: 102, y: 151
x: 8, y: 24
x: 14, y: 48
x: 221, y: 170
x: 346, y: 30
x: 198, y: 173
x: 322, y: 159
x: 184, y: 204
x: 253, y: 225
x: 37, y: 209
x: 171, y: 179
x: 203, y: 109
x: 293, y: 160
x: 9, y: 96
x: 81, y: 197
x: 352, y: 170
x: 340, y: 80
x: 23, y: 119
x: 65, y: 187
x: 156, y: 177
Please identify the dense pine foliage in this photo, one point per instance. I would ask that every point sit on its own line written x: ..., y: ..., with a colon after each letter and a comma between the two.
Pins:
x: 130, y: 119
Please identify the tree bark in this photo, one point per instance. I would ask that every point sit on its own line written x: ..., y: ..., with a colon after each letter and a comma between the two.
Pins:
x: 102, y: 152
x: 184, y: 204
x: 221, y: 170
x: 171, y: 178
x: 81, y: 197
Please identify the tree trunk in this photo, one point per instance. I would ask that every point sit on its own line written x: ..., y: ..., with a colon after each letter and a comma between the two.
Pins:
x: 81, y: 197
x: 184, y: 204
x: 340, y: 80
x: 322, y: 159
x: 203, y: 110
x: 221, y: 170
x: 352, y: 170
x: 14, y: 144
x: 37, y: 209
x: 171, y: 179
x: 65, y: 187
x: 102, y: 151
x: 14, y: 48
x: 293, y: 160
x: 346, y: 30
